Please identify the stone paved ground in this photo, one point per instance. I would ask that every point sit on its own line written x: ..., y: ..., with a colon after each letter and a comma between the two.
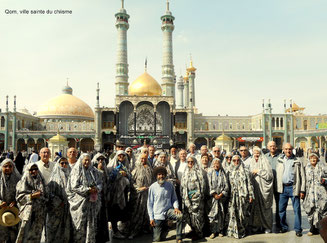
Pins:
x: 288, y: 237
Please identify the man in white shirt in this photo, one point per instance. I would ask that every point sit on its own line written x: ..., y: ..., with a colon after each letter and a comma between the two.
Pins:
x: 173, y: 155
x: 34, y: 157
x: 179, y: 170
x: 45, y: 165
x: 72, y: 156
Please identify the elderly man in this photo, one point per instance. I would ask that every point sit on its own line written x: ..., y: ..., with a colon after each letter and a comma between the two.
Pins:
x: 244, y: 153
x: 179, y: 170
x: 151, y: 157
x: 162, y: 206
x: 216, y: 152
x: 192, y: 151
x: 173, y: 155
x: 290, y: 184
x: 272, y: 157
x: 44, y: 165
x: 72, y: 156
x: 119, y: 146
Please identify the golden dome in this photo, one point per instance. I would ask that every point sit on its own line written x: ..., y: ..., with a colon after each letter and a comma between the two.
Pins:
x: 66, y: 106
x: 223, y: 137
x: 57, y: 139
x: 145, y: 85
x: 191, y: 68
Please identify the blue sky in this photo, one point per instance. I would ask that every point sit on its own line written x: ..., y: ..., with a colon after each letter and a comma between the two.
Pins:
x: 244, y: 50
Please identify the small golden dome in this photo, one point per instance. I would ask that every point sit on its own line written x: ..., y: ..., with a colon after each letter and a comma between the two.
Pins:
x: 191, y: 68
x: 223, y: 137
x: 58, y: 138
x: 66, y: 106
x: 145, y: 85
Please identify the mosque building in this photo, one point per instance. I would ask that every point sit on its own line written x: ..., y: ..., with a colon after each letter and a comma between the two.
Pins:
x: 159, y: 114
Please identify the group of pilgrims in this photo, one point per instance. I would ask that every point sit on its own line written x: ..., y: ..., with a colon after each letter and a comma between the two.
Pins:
x: 143, y: 191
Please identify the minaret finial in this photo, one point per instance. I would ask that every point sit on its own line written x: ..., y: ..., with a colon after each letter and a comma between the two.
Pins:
x: 15, y: 103
x: 7, y: 105
x: 146, y: 64
x: 167, y: 5
x: 67, y: 81
x: 98, y: 95
x: 122, y: 3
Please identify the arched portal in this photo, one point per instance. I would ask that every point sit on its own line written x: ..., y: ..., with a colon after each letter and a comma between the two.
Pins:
x: 86, y: 144
x: 126, y: 108
x: 164, y: 117
x: 199, y: 142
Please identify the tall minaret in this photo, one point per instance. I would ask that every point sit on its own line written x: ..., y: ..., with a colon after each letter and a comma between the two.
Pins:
x: 98, y: 121
x: 186, y: 91
x: 168, y: 73
x: 122, y: 64
x: 180, y: 93
x: 191, y: 70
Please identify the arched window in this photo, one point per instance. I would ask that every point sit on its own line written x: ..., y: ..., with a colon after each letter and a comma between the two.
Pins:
x: 206, y: 126
x: 2, y: 121
x: 281, y: 122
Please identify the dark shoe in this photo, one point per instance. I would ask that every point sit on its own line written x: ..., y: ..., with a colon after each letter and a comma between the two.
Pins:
x: 283, y: 231
x: 298, y: 234
x: 189, y: 234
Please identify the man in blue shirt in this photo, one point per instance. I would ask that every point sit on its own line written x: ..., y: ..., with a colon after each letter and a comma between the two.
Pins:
x: 162, y: 206
x: 291, y: 185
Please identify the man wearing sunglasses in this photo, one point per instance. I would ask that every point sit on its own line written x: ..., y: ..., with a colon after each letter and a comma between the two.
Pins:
x: 244, y: 153
x: 216, y: 152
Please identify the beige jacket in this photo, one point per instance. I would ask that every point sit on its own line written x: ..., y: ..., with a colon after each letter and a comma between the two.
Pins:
x: 299, y: 175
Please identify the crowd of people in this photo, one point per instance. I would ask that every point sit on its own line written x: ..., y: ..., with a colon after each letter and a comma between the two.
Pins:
x: 142, y: 191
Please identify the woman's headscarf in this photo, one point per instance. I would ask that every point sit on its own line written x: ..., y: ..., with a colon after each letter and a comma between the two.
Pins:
x: 225, y: 164
x: 28, y: 185
x: 95, y: 161
x: 8, y: 183
x: 79, y: 171
x: 132, y: 159
x: 58, y: 179
x: 194, y: 175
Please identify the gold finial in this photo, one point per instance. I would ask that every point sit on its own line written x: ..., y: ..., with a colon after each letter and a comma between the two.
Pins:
x: 167, y: 5
x: 67, y: 81
x: 191, y: 68
x: 146, y: 64
x: 122, y: 3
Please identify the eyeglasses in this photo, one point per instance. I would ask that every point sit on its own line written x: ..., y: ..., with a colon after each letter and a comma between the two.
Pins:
x: 229, y: 157
x: 34, y: 169
x: 64, y: 163
x: 243, y: 150
x: 216, y: 151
